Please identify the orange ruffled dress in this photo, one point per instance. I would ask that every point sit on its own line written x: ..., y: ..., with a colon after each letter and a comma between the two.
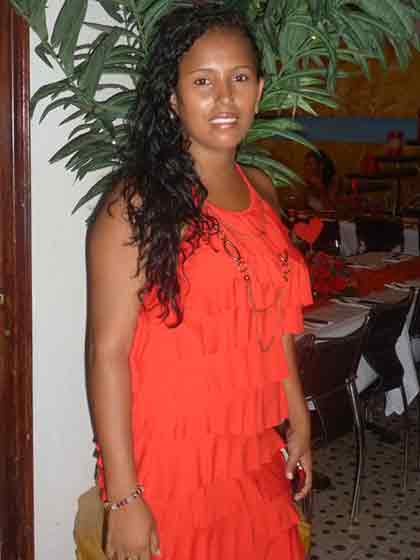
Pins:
x: 207, y: 393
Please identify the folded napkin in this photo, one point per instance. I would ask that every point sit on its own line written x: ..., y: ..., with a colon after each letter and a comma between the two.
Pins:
x: 350, y: 302
x: 396, y: 258
x: 348, y: 237
x: 396, y: 286
x: 311, y: 321
x: 407, y: 284
x: 365, y: 266
x: 411, y: 240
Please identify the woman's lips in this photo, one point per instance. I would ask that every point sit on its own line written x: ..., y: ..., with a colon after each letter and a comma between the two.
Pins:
x: 224, y: 120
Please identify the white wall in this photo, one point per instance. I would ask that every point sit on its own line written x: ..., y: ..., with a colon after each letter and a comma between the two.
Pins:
x: 62, y: 434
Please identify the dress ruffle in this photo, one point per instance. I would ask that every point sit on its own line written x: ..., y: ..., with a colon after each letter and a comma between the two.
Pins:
x: 193, y: 466
x: 259, y: 512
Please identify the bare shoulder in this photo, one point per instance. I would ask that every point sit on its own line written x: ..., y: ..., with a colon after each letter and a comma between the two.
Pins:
x: 110, y: 216
x: 112, y: 257
x: 109, y: 237
x: 263, y: 185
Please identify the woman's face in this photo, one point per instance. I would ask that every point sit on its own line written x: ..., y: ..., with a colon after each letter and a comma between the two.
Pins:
x: 218, y: 91
x: 311, y: 167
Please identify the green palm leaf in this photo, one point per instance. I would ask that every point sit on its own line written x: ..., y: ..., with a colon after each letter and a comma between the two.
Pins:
x: 67, y: 29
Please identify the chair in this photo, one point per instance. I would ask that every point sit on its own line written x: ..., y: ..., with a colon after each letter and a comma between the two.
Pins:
x: 378, y: 234
x: 414, y: 327
x: 386, y: 322
x: 414, y: 333
x: 328, y: 372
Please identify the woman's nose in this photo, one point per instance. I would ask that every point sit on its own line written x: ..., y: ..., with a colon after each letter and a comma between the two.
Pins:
x: 225, y: 91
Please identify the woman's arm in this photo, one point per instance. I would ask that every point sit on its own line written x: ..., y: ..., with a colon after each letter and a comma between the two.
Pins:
x: 299, y: 438
x: 112, y: 313
x: 334, y: 190
x: 113, y: 308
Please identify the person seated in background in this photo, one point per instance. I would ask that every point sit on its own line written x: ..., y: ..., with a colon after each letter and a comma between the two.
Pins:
x: 321, y: 181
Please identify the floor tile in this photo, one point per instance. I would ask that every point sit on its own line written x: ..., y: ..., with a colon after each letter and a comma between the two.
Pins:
x: 389, y: 521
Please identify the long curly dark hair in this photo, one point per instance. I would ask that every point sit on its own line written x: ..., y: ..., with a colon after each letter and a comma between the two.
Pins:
x: 162, y: 191
x: 328, y: 170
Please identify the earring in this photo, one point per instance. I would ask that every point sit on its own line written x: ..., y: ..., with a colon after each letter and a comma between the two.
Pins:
x: 256, y: 109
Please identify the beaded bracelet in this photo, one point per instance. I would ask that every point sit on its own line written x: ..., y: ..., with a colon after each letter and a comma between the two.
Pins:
x: 113, y: 506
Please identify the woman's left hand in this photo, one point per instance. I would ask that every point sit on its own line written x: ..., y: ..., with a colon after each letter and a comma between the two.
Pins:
x: 299, y: 449
x: 298, y: 435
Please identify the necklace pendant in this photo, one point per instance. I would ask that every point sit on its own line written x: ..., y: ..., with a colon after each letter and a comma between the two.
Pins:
x: 284, y: 262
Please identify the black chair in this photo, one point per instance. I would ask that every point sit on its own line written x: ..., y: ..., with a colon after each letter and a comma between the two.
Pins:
x: 414, y: 332
x: 386, y: 322
x: 379, y: 234
x: 328, y: 371
x: 414, y: 327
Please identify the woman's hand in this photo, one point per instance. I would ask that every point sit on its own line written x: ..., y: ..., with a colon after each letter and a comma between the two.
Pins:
x: 298, y: 445
x: 131, y: 533
x: 298, y: 436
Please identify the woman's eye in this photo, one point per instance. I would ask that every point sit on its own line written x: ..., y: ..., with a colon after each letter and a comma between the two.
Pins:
x: 202, y: 82
x: 241, y: 78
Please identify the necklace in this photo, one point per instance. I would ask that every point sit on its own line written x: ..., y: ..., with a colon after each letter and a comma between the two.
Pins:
x: 234, y: 253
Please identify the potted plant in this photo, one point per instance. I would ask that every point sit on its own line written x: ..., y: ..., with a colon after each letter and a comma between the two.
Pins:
x: 304, y: 43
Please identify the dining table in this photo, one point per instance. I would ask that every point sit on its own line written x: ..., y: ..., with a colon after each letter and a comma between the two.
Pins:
x: 372, y: 271
x: 380, y: 278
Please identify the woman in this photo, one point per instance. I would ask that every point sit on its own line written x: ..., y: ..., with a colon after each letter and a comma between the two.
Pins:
x: 193, y: 293
x: 321, y: 181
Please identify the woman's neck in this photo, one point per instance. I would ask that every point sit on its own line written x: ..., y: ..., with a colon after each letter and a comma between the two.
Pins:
x: 216, y: 170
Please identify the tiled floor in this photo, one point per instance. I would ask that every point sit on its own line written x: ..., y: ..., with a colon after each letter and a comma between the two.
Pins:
x: 389, y: 522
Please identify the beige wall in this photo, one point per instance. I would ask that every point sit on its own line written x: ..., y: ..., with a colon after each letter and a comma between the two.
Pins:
x: 390, y: 93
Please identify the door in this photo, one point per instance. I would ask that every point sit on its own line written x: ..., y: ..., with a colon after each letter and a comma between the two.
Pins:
x: 16, y: 465
x: 3, y: 350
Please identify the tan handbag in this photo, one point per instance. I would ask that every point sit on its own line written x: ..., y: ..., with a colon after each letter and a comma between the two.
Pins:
x: 88, y: 526
x: 305, y: 531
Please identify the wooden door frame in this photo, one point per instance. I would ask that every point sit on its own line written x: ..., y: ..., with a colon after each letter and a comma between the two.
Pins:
x: 15, y: 160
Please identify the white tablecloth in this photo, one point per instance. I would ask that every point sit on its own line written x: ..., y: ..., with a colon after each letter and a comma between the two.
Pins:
x: 345, y: 319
